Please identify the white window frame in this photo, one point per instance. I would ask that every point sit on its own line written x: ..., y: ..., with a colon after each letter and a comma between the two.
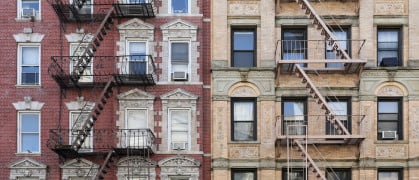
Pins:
x: 127, y: 42
x: 19, y: 132
x: 90, y: 137
x: 20, y: 9
x: 127, y: 129
x: 170, y: 127
x: 169, y: 5
x: 91, y: 5
x: 85, y: 78
x: 188, y: 68
x: 19, y: 63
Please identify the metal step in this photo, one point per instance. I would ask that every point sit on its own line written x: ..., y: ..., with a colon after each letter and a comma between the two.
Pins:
x: 311, y: 164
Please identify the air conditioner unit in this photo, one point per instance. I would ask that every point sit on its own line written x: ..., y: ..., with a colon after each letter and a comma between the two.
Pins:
x: 180, y: 75
x: 179, y: 145
x: 28, y: 12
x: 389, y: 134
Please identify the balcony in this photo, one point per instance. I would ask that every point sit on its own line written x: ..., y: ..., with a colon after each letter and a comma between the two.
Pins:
x: 127, y: 70
x: 123, y: 141
x: 318, y: 56
x: 295, y: 127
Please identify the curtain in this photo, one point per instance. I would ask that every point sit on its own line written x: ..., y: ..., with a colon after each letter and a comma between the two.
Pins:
x: 179, y: 125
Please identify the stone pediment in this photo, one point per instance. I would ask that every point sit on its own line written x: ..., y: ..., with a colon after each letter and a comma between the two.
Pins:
x: 179, y: 94
x: 79, y: 163
x: 135, y: 24
x: 27, y: 163
x: 135, y: 161
x: 135, y: 94
x: 179, y: 161
x: 178, y: 24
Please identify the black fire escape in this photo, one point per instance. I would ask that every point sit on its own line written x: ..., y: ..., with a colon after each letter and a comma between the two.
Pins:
x: 89, y: 70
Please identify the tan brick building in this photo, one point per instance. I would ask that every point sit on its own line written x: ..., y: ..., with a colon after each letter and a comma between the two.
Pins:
x: 315, y: 89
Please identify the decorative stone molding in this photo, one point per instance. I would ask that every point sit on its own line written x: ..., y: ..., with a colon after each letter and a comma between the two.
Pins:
x: 134, y: 99
x: 391, y: 151
x: 79, y: 168
x: 179, y: 29
x: 135, y: 29
x: 79, y: 37
x: 243, y: 8
x: 390, y: 90
x: 390, y: 7
x: 179, y: 98
x: 28, y: 104
x: 179, y: 166
x: 27, y: 168
x: 268, y: 163
x: 243, y: 152
x: 220, y: 163
x: 244, y: 90
x: 28, y: 37
x: 80, y: 105
x: 136, y: 166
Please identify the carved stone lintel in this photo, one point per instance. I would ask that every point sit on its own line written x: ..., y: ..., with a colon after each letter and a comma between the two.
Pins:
x: 244, y: 152
x: 390, y: 7
x: 391, y: 151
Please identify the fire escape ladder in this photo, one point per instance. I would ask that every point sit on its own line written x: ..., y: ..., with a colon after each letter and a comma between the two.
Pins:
x: 322, y: 27
x: 314, y: 92
x: 93, y: 115
x: 86, y: 57
x: 311, y: 164
x: 104, y: 168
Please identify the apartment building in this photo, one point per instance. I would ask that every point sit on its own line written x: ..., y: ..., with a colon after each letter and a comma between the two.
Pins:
x: 105, y: 89
x: 314, y: 89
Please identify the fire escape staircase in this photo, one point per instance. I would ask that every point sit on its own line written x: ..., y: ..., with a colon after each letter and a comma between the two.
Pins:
x: 104, y: 168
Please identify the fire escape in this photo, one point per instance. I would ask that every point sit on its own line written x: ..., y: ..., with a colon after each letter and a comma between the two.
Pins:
x: 76, y: 72
x: 298, y: 66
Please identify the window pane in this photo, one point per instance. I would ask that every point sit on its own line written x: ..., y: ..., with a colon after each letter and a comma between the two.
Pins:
x: 243, y: 59
x: 388, y: 175
x: 388, y: 36
x: 137, y: 119
x: 30, y: 122
x: 243, y: 131
x: 244, y: 40
x: 293, y: 108
x: 243, y: 111
x: 179, y: 6
x: 30, y: 55
x: 244, y: 176
x: 339, y: 175
x: 30, y: 141
x: 180, y: 52
x: 30, y: 4
x: 387, y: 126
x: 294, y: 174
x: 388, y: 107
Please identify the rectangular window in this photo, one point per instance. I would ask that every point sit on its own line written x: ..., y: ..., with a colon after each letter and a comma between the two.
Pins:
x: 135, y: 127
x: 137, y: 59
x: 76, y: 123
x: 243, y: 174
x: 179, y: 6
x: 29, y: 9
x: 390, y: 119
x: 243, y: 119
x: 179, y: 125
x: 293, y: 174
x: 294, y: 44
x: 29, y: 132
x: 389, y: 47
x: 390, y: 174
x: 294, y: 121
x: 29, y: 60
x: 342, y: 36
x: 341, y: 109
x: 338, y: 174
x: 179, y: 55
x: 77, y: 50
x: 243, y: 47
x: 86, y: 12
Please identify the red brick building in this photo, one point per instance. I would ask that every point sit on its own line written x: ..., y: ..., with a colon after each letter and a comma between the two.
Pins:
x: 106, y: 89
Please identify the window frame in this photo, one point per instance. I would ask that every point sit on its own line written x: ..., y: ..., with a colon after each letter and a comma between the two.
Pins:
x: 244, y: 170
x: 172, y: 63
x: 20, y: 64
x: 294, y: 100
x: 85, y: 78
x: 233, y: 51
x: 285, y: 172
x: 334, y: 170
x: 170, y: 9
x: 20, y: 132
x: 89, y: 138
x: 399, y: 44
x: 169, y: 139
x: 128, y: 57
x: 348, y: 43
x: 398, y: 170
x: 399, y: 122
x: 297, y: 29
x: 348, y: 114
x: 20, y: 9
x: 254, y: 122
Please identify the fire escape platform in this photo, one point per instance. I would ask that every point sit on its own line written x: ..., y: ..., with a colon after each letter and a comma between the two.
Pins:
x: 318, y: 66
x: 324, y: 139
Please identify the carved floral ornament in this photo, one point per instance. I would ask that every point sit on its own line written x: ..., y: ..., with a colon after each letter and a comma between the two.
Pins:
x: 27, y: 167
x: 79, y: 168
x: 179, y: 29
x: 179, y: 165
x: 391, y: 90
x: 136, y: 28
x: 243, y: 90
x: 136, y: 165
x: 28, y: 104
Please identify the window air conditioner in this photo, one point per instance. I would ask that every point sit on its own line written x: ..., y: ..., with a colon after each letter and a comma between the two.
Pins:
x: 180, y: 75
x: 28, y: 12
x: 179, y: 145
x: 389, y: 134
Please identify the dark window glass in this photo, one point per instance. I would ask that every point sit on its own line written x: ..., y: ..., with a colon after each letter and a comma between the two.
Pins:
x: 294, y: 121
x: 244, y: 119
x: 389, y: 119
x: 243, y: 174
x: 244, y: 50
x: 338, y: 174
x: 388, y: 47
x: 293, y: 174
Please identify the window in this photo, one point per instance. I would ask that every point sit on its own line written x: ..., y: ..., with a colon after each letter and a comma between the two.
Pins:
x: 77, y: 50
x: 389, y: 47
x: 338, y: 174
x: 294, y: 44
x: 179, y: 6
x: 86, y: 12
x: 243, y: 174
x: 179, y: 55
x: 76, y: 123
x: 137, y: 59
x: 293, y: 174
x: 179, y: 178
x: 244, y: 119
x: 243, y: 47
x: 294, y: 121
x: 29, y: 60
x: 342, y: 111
x: 390, y: 174
x: 389, y: 119
x: 135, y: 127
x: 29, y: 132
x: 179, y: 124
x: 29, y: 9
x: 342, y: 36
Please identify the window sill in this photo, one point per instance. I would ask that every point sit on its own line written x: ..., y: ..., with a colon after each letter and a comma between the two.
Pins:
x: 28, y: 154
x: 391, y: 142
x: 20, y: 19
x: 244, y: 142
x: 28, y: 86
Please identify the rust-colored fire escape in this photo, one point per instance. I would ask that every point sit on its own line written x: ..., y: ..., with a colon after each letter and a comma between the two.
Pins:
x: 68, y: 71
x: 343, y: 135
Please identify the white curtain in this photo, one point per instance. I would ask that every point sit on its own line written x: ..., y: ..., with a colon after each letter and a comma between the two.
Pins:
x: 243, y: 111
x: 179, y: 125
